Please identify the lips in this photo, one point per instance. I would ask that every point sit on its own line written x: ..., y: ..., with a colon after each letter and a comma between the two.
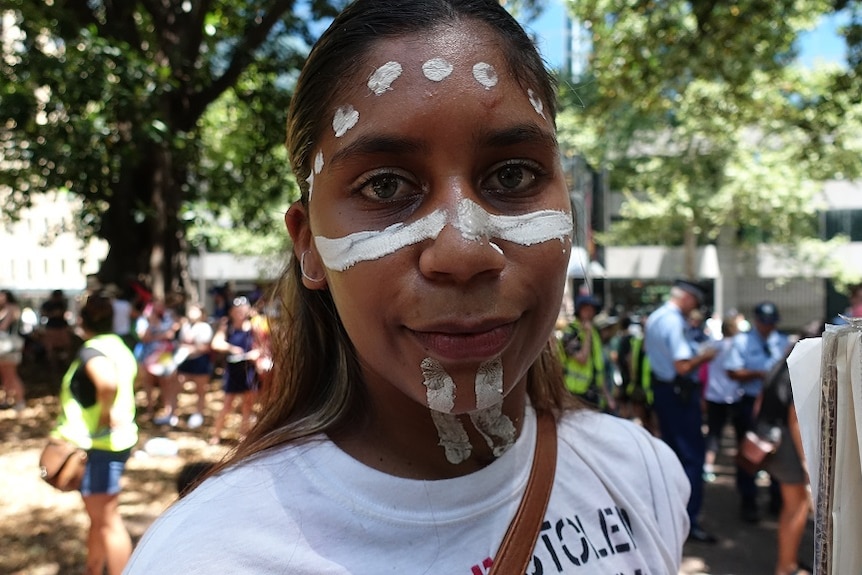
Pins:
x: 466, y: 342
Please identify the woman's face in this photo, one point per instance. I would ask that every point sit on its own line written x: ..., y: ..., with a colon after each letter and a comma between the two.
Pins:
x: 439, y: 216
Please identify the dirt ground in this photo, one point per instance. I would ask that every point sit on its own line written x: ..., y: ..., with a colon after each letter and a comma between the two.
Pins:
x: 43, y: 531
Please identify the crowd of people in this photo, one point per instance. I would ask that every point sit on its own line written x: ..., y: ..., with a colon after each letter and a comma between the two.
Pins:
x: 176, y: 346
x: 673, y: 372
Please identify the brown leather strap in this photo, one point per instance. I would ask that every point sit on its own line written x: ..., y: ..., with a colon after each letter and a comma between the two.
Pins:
x: 514, y: 554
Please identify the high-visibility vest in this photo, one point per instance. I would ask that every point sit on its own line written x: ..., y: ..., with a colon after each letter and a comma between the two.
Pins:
x: 580, y: 377
x: 640, y: 370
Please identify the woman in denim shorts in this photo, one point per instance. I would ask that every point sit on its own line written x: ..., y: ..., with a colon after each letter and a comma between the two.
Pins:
x: 98, y: 414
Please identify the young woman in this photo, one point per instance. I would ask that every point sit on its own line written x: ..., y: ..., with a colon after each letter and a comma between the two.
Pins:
x: 412, y: 353
x: 235, y: 337
x: 11, y: 349
x: 787, y: 466
x: 97, y: 400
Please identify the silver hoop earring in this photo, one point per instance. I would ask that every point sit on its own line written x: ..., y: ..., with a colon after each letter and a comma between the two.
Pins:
x: 302, y: 270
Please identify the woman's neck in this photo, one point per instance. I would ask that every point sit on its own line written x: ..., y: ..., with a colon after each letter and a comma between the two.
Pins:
x: 406, y: 439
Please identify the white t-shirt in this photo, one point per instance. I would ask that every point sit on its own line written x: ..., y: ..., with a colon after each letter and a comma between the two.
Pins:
x: 122, y: 316
x: 720, y: 387
x: 617, y: 506
x: 199, y: 333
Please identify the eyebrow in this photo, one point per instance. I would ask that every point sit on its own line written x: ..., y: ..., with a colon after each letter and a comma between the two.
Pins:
x: 519, y: 134
x: 379, y: 144
x: 370, y: 144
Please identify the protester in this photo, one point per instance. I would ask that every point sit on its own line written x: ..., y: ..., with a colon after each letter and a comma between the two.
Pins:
x: 11, y: 349
x: 751, y: 356
x: 583, y: 359
x: 97, y: 402
x: 787, y: 465
x: 723, y: 398
x: 123, y: 315
x: 414, y: 360
x: 236, y: 338
x: 674, y: 362
x: 262, y: 341
x: 56, y: 333
x: 157, y: 331
x: 192, y: 364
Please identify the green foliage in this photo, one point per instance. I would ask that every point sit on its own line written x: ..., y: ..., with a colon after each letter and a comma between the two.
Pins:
x: 151, y: 112
x: 704, y: 123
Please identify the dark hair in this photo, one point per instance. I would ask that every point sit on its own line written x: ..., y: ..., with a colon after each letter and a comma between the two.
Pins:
x: 191, y: 474
x: 97, y: 315
x: 315, y: 370
x: 10, y: 297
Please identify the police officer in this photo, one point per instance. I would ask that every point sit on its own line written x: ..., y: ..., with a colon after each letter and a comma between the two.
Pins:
x: 751, y: 356
x: 676, y: 391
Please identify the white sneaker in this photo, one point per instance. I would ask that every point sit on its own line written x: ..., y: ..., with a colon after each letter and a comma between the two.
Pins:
x: 195, y: 420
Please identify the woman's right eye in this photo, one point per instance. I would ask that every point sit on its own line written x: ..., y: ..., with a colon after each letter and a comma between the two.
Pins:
x: 385, y: 186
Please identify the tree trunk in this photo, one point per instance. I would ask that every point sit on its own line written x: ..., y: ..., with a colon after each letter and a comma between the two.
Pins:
x: 149, y: 251
x: 127, y: 237
x: 690, y: 252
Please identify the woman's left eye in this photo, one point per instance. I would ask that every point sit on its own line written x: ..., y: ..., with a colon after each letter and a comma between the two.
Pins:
x: 512, y: 177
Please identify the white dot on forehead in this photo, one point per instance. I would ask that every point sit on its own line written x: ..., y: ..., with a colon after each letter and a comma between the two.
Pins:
x: 485, y: 74
x: 310, y: 180
x: 436, y: 69
x: 318, y: 162
x: 536, y: 102
x: 345, y: 118
x: 381, y: 79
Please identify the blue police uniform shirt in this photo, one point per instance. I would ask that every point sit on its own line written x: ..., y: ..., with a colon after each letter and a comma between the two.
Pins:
x: 665, y: 340
x: 751, y: 351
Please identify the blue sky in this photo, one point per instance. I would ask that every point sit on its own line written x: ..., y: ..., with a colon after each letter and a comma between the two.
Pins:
x: 819, y: 45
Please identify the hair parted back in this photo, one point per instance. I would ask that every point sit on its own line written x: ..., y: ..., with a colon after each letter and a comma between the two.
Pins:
x: 317, y: 382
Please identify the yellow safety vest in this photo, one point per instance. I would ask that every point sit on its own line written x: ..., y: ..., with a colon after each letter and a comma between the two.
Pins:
x: 79, y: 424
x: 580, y: 377
x: 640, y: 371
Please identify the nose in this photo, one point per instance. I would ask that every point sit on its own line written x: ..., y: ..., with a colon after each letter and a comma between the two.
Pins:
x: 460, y: 256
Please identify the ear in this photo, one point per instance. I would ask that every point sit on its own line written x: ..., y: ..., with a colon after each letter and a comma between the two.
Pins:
x: 298, y: 226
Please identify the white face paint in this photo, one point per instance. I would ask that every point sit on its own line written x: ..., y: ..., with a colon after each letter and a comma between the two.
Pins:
x: 440, y: 394
x: 489, y: 383
x: 436, y: 69
x: 382, y: 78
x: 538, y: 106
x: 453, y: 437
x: 471, y: 220
x: 497, y: 429
x: 316, y: 169
x: 485, y: 74
x: 474, y: 223
x: 440, y: 389
x: 310, y: 180
x: 345, y: 118
x: 340, y: 253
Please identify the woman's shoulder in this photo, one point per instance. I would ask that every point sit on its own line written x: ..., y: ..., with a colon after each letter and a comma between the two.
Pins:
x: 221, y: 519
x: 608, y: 440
